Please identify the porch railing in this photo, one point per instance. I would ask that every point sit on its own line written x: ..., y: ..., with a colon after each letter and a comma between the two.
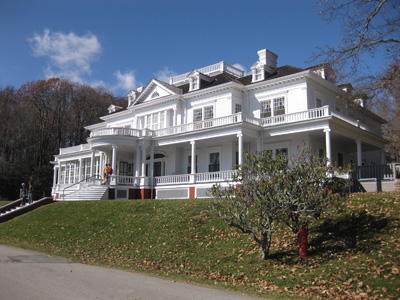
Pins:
x: 311, y: 114
x: 388, y: 171
x: 172, y: 179
x: 215, y: 176
x: 119, y: 131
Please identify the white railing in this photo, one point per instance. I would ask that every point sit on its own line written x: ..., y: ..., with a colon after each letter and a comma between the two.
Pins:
x: 75, y: 149
x: 172, y: 179
x: 388, y: 172
x: 209, y: 70
x: 311, y: 114
x: 119, y: 131
x: 124, y: 180
x: 209, y: 177
x: 232, y: 119
x: 215, y: 176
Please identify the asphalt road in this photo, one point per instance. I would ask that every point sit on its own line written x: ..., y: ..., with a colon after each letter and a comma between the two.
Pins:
x: 35, y: 276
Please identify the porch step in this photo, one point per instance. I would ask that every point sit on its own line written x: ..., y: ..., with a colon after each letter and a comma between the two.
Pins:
x: 94, y: 192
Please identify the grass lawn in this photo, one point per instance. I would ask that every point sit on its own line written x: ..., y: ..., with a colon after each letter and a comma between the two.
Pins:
x: 354, y: 251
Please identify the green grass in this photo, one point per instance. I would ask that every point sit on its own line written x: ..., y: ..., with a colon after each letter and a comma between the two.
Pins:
x: 354, y: 252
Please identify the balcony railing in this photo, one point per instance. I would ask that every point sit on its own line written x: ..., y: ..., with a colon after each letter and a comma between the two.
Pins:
x: 120, y: 131
x: 210, y: 70
x: 311, y: 114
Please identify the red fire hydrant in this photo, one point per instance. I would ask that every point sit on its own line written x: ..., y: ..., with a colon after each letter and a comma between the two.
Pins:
x: 302, y: 235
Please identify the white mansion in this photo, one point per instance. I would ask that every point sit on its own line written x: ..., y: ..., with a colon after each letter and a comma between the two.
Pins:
x: 177, y: 139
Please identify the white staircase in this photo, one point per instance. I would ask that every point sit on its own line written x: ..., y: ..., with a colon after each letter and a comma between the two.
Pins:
x: 93, y: 192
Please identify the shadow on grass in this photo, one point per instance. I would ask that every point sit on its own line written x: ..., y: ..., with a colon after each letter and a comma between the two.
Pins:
x: 355, y: 232
x: 349, y: 233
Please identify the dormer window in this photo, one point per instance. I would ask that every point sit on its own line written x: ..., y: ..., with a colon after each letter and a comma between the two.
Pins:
x: 194, y: 83
x: 197, y: 80
x: 258, y: 72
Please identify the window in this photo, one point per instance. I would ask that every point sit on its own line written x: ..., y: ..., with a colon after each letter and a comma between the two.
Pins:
x: 204, y: 113
x: 125, y: 168
x: 214, y: 162
x: 155, y: 94
x: 195, y: 84
x: 277, y: 109
x: 208, y: 112
x: 238, y: 108
x: 279, y: 106
x: 265, y: 108
x: 155, y: 121
x: 319, y: 103
x: 197, y: 114
x: 258, y: 74
x: 282, y: 151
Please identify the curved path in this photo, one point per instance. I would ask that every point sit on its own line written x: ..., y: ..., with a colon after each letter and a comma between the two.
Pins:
x: 31, y: 275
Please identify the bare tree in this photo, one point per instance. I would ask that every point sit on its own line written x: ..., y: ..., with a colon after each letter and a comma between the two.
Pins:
x: 370, y: 28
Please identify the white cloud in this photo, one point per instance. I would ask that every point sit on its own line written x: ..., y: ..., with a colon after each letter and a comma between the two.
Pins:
x: 125, y: 81
x: 165, y: 74
x: 241, y: 67
x: 70, y: 55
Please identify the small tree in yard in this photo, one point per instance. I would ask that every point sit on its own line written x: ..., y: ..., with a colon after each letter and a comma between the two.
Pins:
x: 270, y: 192
x: 253, y: 206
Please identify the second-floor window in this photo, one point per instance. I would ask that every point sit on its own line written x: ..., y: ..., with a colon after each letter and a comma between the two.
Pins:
x: 238, y: 108
x: 279, y: 106
x: 203, y: 113
x: 155, y: 121
x: 272, y: 107
x: 265, y: 108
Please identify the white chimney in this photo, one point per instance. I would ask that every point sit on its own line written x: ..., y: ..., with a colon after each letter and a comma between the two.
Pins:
x: 267, y: 58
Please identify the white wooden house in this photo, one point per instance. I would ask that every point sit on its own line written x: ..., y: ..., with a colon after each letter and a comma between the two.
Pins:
x: 177, y: 139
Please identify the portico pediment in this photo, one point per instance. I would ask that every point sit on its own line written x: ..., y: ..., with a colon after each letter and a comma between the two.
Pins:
x: 156, y: 89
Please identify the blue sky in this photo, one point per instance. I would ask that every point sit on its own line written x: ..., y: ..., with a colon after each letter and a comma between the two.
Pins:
x: 122, y: 44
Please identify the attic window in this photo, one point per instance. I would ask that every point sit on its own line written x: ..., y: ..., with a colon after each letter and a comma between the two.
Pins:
x: 258, y: 72
x: 194, y: 83
x: 155, y: 94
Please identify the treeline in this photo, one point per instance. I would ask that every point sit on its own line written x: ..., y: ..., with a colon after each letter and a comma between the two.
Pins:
x: 39, y: 118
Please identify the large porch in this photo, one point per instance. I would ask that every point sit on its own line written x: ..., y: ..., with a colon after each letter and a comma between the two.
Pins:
x: 184, y: 161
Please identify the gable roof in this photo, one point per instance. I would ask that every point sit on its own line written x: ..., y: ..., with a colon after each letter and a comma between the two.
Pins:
x: 155, y: 89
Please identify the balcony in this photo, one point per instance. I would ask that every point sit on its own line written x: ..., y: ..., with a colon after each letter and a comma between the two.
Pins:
x: 312, y: 114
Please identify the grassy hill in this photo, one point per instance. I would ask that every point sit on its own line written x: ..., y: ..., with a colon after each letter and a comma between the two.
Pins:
x: 354, y: 251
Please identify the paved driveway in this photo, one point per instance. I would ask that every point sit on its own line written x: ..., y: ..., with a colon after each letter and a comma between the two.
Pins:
x: 34, y: 276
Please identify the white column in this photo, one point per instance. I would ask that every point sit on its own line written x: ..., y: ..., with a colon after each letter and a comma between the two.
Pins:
x: 54, y: 176
x: 151, y: 167
x: 143, y: 159
x: 92, y: 164
x: 240, y: 148
x: 69, y: 173
x: 80, y: 170
x: 193, y: 162
x: 114, y: 159
x: 60, y: 173
x: 359, y: 153
x: 137, y: 167
x: 174, y: 118
x: 328, y: 145
x: 101, y: 163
